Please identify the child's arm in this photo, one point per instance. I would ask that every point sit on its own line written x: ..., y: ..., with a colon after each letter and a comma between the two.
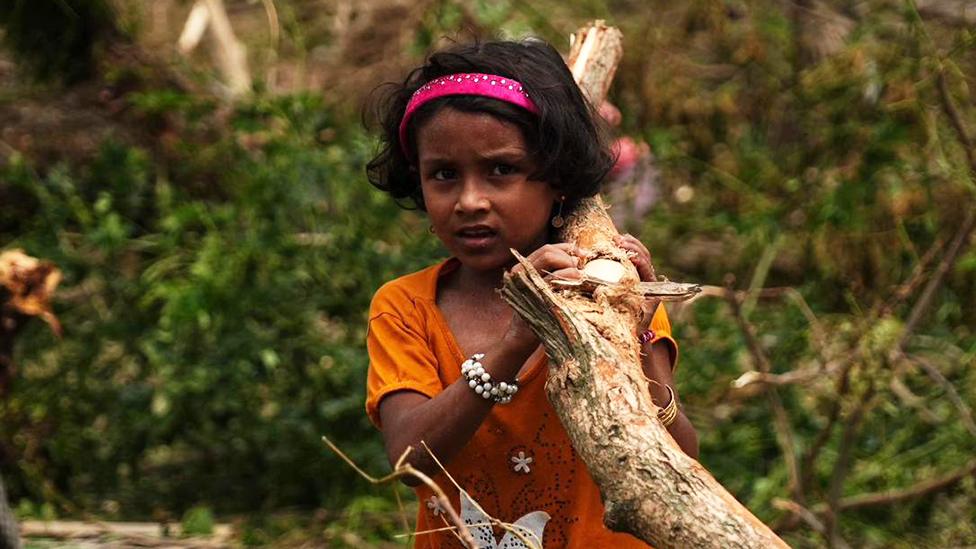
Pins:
x: 447, y: 421
x: 656, y: 358
x: 656, y: 363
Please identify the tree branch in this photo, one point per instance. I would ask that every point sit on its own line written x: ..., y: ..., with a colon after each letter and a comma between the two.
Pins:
x: 405, y: 469
x: 781, y: 421
x: 915, y: 491
x: 842, y: 466
x: 933, y: 372
x: 948, y: 261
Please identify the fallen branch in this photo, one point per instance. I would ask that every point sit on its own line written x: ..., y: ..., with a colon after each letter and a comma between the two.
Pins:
x: 909, y: 398
x: 809, y: 517
x: 781, y: 421
x: 130, y: 534
x: 842, y: 466
x: 959, y: 242
x: 933, y: 372
x: 910, y: 286
x: 950, y: 110
x: 402, y: 469
x: 889, y: 497
x: 650, y: 488
x: 810, y: 457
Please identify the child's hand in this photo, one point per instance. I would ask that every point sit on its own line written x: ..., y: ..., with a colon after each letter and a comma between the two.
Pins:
x: 642, y: 260
x: 641, y: 256
x: 552, y: 260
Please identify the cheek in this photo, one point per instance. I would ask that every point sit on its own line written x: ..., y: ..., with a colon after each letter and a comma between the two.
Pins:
x: 534, y: 210
x: 436, y: 204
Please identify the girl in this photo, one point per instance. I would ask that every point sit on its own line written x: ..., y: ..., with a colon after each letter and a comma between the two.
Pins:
x: 496, y: 143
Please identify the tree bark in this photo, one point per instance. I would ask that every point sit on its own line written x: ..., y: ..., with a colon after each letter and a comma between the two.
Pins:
x: 650, y: 488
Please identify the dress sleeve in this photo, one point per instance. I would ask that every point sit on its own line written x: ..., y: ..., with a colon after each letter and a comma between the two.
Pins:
x: 661, y: 326
x: 400, y: 359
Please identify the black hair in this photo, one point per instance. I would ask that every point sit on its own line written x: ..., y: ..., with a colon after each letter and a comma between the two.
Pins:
x: 568, y: 144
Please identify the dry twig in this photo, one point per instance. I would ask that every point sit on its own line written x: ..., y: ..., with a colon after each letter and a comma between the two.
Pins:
x: 915, y: 491
x: 933, y: 372
x: 808, y: 517
x: 784, y: 431
x: 842, y: 467
x: 924, y: 302
x: 402, y: 469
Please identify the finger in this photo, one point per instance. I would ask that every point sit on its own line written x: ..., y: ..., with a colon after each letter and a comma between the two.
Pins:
x: 628, y: 246
x: 642, y: 257
x: 564, y: 247
x: 641, y: 261
x: 568, y: 247
x: 567, y: 274
x: 630, y: 242
x: 644, y: 268
x: 552, y: 258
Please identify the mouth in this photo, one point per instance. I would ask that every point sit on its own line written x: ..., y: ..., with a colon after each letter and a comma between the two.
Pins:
x: 476, y: 236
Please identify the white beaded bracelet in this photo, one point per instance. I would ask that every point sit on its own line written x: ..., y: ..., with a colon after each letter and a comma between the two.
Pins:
x: 480, y: 381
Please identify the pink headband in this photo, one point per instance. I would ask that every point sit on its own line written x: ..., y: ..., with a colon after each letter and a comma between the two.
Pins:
x: 485, y: 85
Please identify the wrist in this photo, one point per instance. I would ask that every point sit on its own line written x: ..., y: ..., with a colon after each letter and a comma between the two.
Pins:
x: 483, y: 384
x: 668, y: 411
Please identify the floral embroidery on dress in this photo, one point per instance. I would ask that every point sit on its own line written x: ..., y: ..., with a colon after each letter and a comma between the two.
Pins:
x: 522, y: 462
x: 530, y: 527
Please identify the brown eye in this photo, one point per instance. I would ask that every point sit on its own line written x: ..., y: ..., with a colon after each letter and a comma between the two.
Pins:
x: 443, y: 175
x: 503, y: 169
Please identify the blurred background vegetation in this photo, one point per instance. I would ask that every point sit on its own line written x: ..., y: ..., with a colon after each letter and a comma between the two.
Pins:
x: 220, y: 245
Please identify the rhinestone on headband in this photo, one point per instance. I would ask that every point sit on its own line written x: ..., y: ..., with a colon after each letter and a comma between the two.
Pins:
x: 484, y: 85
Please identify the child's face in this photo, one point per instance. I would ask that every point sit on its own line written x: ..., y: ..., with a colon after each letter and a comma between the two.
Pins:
x: 475, y: 174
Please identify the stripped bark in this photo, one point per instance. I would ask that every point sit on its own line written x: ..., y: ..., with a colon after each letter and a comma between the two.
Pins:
x: 650, y: 488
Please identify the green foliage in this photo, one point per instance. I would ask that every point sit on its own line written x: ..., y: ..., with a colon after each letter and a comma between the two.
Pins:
x: 198, y: 521
x: 209, y: 341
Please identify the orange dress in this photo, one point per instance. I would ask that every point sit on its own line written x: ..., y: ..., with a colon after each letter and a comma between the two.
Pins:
x: 520, y: 463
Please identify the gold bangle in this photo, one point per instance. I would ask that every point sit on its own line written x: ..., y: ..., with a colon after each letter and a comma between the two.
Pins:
x: 669, y: 413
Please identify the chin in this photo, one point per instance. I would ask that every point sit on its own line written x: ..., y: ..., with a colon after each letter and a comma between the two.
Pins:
x: 487, y: 262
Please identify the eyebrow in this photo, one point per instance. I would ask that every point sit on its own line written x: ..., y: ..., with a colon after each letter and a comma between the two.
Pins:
x: 506, y: 152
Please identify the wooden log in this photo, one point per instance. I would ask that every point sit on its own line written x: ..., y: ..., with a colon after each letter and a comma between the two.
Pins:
x: 650, y: 488
x: 126, y: 534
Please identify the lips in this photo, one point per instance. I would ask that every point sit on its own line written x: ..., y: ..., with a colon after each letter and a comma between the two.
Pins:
x: 476, y: 236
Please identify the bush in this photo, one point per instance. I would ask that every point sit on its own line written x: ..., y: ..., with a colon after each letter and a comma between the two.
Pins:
x: 214, y: 327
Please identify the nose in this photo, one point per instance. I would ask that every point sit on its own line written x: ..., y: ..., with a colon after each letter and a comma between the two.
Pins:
x: 473, y: 196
